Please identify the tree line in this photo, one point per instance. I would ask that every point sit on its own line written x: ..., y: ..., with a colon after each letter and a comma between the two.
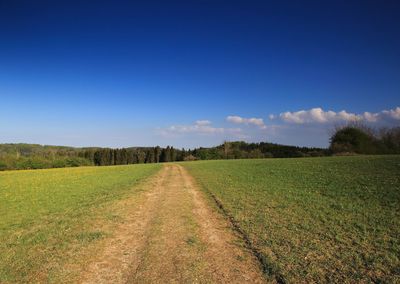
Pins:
x: 125, y: 156
x: 228, y: 150
x: 32, y: 156
x: 350, y: 139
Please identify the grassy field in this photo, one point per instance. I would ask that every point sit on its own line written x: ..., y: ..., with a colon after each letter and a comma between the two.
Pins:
x: 47, y: 215
x: 315, y: 220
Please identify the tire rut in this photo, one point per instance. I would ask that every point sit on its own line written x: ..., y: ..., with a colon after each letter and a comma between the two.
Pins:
x: 172, y: 235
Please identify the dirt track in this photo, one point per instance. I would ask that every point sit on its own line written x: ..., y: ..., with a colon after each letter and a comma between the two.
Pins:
x: 172, y: 236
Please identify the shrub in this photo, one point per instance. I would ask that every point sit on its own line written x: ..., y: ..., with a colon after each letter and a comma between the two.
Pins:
x: 32, y: 163
x: 190, y: 158
x: 353, y: 139
x: 59, y: 163
x: 3, y: 166
x: 391, y: 139
x: 268, y: 155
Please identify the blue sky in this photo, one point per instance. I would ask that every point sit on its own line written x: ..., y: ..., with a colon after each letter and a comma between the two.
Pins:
x: 126, y: 73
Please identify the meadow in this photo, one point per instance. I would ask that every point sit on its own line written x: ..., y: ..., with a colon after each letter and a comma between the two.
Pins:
x: 48, y: 216
x: 332, y: 219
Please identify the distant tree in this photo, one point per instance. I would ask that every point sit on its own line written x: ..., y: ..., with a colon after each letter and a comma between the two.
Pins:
x: 89, y: 154
x: 226, y: 149
x: 351, y: 139
x: 150, y: 157
x: 115, y: 156
x: 130, y: 156
x: 163, y: 156
x: 157, y: 154
x: 168, y: 154
x: 97, y: 158
x: 255, y: 154
x: 141, y: 156
x: 390, y: 139
x: 3, y: 166
x: 181, y: 155
x: 124, y: 156
x: 173, y: 154
x: 190, y: 158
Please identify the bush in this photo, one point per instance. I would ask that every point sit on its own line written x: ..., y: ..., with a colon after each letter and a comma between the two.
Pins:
x: 190, y: 158
x: 3, y: 166
x: 76, y: 162
x: 59, y: 163
x: 255, y: 154
x: 32, y: 163
x: 352, y: 139
x: 24, y: 163
x: 391, y: 139
x: 268, y: 155
x: 315, y: 154
x: 361, y: 140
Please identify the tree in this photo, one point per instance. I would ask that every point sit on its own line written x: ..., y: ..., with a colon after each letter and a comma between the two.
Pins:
x: 173, y: 155
x: 141, y: 156
x: 181, y: 155
x: 97, y: 158
x: 124, y: 156
x: 150, y: 158
x: 163, y: 156
x: 226, y: 149
x: 255, y: 154
x: 157, y: 154
x: 391, y: 140
x: 351, y: 139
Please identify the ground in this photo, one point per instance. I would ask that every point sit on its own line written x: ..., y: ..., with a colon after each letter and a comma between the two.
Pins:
x: 172, y: 235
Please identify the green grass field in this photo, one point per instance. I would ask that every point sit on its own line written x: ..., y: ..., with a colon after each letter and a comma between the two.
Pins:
x: 315, y: 220
x: 46, y: 215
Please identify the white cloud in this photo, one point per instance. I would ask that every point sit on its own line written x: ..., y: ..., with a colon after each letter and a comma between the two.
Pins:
x: 241, y: 120
x: 202, y: 127
x: 393, y: 113
x: 202, y: 122
x: 318, y: 115
x: 371, y: 117
x: 303, y: 127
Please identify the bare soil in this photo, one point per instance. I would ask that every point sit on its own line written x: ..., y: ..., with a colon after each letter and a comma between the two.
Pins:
x: 172, y: 235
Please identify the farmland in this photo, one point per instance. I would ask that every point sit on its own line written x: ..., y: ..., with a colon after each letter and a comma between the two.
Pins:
x: 47, y: 216
x: 330, y: 219
x: 319, y: 220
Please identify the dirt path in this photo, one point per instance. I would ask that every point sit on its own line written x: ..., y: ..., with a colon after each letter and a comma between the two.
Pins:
x: 173, y: 236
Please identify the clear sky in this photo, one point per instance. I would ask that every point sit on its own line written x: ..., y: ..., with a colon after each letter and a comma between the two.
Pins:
x: 191, y: 73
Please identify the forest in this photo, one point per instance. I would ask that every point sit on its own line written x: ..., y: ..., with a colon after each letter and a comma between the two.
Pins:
x: 348, y: 140
x: 33, y: 156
